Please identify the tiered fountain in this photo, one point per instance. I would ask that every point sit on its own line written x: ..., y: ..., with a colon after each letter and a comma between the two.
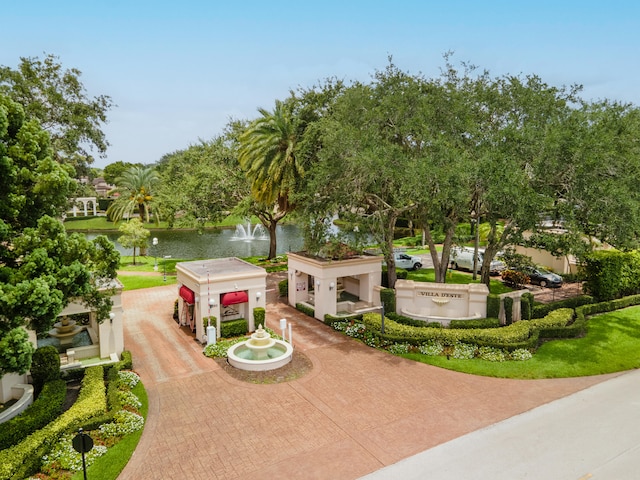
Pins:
x: 65, y: 330
x: 260, y: 352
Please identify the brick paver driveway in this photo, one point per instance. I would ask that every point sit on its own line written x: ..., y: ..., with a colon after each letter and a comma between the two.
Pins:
x: 357, y: 411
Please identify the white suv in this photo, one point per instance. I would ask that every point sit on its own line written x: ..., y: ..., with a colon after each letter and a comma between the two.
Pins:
x: 406, y: 261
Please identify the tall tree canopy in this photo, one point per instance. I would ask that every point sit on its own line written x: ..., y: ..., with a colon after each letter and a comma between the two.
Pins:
x: 58, y: 100
x: 135, y: 191
x: 201, y: 184
x: 41, y: 267
x: 508, y: 150
x: 267, y: 152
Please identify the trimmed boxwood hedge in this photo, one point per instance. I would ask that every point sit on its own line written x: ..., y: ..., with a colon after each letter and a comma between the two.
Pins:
x: 43, y: 410
x: 526, y: 306
x: 259, y: 316
x: 542, y: 310
x: 479, y: 323
x: 331, y: 319
x: 388, y: 299
x: 233, y: 328
x: 24, y: 459
x: 493, y: 306
x: 517, y: 335
x: 306, y: 310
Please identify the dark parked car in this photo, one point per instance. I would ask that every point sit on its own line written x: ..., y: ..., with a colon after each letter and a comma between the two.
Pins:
x: 543, y: 277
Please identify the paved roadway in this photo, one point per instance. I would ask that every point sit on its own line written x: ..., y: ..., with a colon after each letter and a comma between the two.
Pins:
x: 357, y: 412
x: 593, y: 434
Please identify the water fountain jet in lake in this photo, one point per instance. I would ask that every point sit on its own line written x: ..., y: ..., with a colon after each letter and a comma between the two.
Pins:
x: 247, y: 233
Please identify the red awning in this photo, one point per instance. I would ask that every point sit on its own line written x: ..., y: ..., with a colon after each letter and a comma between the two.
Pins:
x: 187, y: 295
x: 232, y: 298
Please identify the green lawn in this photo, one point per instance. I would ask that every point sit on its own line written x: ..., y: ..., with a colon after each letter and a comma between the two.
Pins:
x: 612, y: 344
x: 109, y: 466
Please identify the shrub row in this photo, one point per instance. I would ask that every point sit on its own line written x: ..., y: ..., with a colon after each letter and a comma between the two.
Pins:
x: 609, y: 306
x: 542, y: 310
x: 23, y: 459
x: 234, y: 328
x: 612, y: 274
x: 518, y: 335
x: 306, y: 310
x: 556, y: 318
x: 479, y: 323
x: 114, y: 399
x: 330, y: 319
x: 43, y: 410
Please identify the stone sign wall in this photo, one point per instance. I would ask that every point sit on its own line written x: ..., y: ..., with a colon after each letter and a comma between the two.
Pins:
x: 440, y: 302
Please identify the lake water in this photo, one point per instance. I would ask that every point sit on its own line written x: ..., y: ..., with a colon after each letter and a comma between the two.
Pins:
x: 217, y: 243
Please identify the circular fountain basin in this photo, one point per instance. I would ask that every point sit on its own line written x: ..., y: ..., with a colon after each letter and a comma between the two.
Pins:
x: 277, y: 355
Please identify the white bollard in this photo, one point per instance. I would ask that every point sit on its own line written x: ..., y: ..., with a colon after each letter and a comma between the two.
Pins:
x: 283, y: 327
x: 211, y: 335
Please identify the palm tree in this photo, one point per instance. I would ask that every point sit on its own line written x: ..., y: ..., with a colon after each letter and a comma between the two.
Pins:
x: 134, y: 187
x: 267, y: 153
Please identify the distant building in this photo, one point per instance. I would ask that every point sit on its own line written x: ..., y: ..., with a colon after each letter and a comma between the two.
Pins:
x: 102, y: 187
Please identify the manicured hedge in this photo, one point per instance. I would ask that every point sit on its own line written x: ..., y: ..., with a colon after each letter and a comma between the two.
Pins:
x: 24, y: 459
x: 542, y: 310
x: 45, y: 367
x: 43, y: 410
x: 283, y: 288
x: 508, y: 310
x: 612, y: 274
x: 259, y: 316
x: 388, y: 299
x: 306, y: 310
x: 517, y: 335
x: 234, y: 328
x: 493, y: 306
x: 330, y: 319
x: 526, y: 306
x: 479, y: 323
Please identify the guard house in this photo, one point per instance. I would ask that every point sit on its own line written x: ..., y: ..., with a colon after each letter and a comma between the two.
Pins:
x: 226, y: 288
x: 335, y: 287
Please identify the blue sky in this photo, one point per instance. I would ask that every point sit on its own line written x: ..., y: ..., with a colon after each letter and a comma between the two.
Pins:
x: 179, y: 70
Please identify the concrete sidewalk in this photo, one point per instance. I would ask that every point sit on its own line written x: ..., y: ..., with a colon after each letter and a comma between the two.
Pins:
x: 592, y: 434
x: 359, y: 410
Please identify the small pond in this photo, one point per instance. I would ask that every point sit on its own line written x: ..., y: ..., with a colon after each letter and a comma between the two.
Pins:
x: 219, y: 243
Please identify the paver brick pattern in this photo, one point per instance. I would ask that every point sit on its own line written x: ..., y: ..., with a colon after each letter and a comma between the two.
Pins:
x: 357, y: 411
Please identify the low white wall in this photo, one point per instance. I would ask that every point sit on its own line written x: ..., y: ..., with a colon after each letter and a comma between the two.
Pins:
x: 441, y: 301
x: 24, y: 395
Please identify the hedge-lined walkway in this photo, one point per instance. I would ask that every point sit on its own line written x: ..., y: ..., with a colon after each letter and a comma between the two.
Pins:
x: 357, y: 411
